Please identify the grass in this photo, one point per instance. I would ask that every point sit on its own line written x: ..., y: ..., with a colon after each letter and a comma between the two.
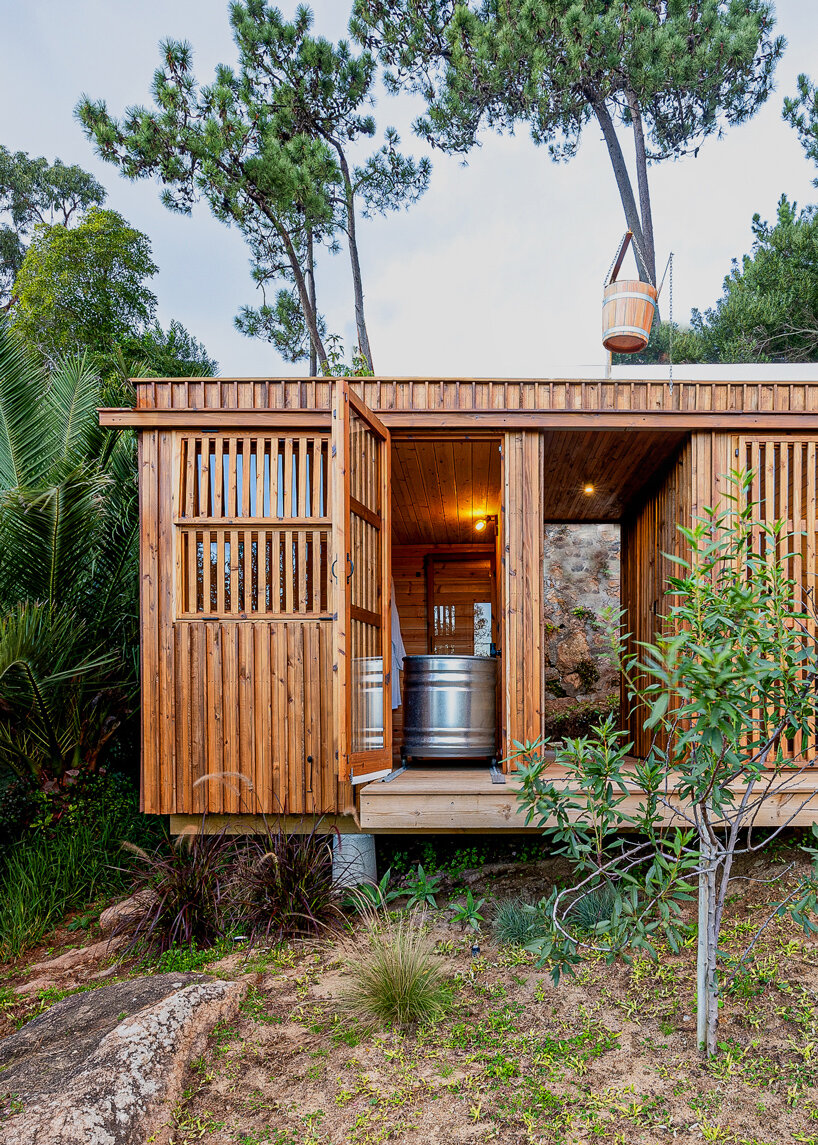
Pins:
x: 515, y: 923
x: 45, y: 876
x: 397, y: 981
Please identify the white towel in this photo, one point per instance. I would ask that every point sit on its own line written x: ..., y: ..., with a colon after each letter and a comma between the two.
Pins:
x: 398, y: 652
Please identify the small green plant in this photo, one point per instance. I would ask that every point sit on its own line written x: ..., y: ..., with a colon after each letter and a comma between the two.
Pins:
x: 421, y: 888
x: 516, y: 923
x: 468, y: 913
x: 397, y: 980
x: 593, y: 908
x: 372, y: 896
x: 586, y: 615
x: 588, y: 674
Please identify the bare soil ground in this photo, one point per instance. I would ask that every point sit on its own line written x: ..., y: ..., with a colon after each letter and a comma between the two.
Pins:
x: 608, y: 1055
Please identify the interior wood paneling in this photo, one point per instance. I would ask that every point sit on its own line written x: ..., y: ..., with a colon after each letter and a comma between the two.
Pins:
x: 409, y: 573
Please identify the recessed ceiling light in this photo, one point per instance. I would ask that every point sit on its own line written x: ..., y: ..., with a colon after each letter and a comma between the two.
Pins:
x: 587, y: 487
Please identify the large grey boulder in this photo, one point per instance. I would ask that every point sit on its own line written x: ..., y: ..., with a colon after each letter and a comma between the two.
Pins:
x: 102, y: 1067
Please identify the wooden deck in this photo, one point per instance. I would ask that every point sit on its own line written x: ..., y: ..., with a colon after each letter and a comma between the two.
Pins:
x: 465, y: 801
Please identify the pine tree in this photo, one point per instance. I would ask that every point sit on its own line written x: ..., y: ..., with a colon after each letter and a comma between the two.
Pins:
x: 267, y: 146
x: 673, y: 73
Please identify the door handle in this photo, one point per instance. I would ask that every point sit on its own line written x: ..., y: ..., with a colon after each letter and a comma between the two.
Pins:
x: 332, y: 572
x: 351, y: 568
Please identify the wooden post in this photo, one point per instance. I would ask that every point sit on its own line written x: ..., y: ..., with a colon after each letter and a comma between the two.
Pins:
x: 522, y: 581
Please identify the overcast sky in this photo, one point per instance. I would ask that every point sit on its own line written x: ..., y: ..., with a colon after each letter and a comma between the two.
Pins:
x: 497, y: 271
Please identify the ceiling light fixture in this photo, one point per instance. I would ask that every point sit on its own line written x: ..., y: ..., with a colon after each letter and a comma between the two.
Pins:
x: 587, y: 487
x: 482, y: 523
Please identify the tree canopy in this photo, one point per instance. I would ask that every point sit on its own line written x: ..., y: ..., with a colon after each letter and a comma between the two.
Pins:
x: 672, y: 73
x: 35, y: 192
x: 84, y: 287
x: 267, y: 146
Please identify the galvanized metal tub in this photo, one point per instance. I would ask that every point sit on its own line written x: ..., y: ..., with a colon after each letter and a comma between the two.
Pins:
x: 449, y: 707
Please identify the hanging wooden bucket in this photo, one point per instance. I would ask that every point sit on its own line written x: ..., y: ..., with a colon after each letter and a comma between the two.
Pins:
x: 627, y: 315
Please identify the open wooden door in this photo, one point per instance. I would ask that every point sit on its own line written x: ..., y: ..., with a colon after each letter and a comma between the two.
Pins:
x: 361, y: 577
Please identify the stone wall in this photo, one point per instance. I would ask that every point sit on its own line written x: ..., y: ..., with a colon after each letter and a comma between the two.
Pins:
x: 581, y: 574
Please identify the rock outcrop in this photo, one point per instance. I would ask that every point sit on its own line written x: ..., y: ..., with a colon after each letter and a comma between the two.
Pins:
x: 102, y: 1067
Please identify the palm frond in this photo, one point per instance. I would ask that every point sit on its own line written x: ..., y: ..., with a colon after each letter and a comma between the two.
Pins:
x: 44, y: 534
x: 24, y: 430
x: 74, y: 393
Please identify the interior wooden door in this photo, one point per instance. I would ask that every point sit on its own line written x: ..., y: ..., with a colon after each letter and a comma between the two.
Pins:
x: 361, y: 575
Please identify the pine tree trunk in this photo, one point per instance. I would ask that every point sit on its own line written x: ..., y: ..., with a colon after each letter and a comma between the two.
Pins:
x: 311, y: 291
x: 645, y: 212
x: 355, y: 263
x: 623, y: 182
x: 307, y: 304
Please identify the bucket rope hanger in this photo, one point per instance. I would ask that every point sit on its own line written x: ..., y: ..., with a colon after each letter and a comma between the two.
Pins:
x: 629, y: 306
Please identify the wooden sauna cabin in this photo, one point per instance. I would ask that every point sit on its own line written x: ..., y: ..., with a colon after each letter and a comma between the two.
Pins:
x: 278, y: 514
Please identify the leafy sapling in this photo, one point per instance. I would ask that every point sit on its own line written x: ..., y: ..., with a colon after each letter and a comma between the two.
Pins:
x: 367, y: 897
x: 725, y: 689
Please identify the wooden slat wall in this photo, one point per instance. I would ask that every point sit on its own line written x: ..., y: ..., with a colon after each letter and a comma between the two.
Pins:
x: 648, y: 533
x: 695, y: 479
x: 382, y: 394
x: 522, y: 610
x: 785, y: 488
x: 235, y: 715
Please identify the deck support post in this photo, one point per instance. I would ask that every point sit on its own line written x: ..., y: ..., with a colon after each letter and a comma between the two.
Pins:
x: 522, y: 572
x: 353, y: 860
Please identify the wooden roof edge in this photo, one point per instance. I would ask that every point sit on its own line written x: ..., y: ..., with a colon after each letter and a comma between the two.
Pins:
x: 487, y: 420
x: 738, y: 374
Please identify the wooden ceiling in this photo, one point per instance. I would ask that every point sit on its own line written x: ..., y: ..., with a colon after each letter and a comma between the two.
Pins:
x: 441, y: 487
x: 618, y: 464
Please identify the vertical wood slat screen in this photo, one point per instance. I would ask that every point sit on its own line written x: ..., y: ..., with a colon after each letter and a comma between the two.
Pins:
x: 649, y: 537
x: 253, y: 525
x: 784, y: 488
x: 365, y: 577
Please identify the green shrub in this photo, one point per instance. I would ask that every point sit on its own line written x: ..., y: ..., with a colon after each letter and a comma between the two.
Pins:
x: 281, y: 885
x: 397, y: 981
x: 182, y: 887
x: 516, y: 923
x: 48, y: 874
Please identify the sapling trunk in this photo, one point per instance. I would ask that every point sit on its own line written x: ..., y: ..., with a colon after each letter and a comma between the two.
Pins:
x: 707, y: 991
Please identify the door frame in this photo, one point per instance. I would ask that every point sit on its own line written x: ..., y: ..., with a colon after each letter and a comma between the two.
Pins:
x: 357, y: 766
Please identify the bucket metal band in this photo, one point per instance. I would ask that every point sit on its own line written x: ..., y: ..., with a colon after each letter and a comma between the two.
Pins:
x: 629, y: 294
x: 640, y: 330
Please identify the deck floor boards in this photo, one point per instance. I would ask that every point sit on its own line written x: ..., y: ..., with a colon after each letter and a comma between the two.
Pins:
x: 464, y: 800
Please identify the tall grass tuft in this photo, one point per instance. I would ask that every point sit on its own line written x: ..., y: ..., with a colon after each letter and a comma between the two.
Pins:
x: 396, y: 981
x: 517, y: 923
x: 594, y: 907
x: 47, y: 875
x: 281, y: 886
x: 181, y: 889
